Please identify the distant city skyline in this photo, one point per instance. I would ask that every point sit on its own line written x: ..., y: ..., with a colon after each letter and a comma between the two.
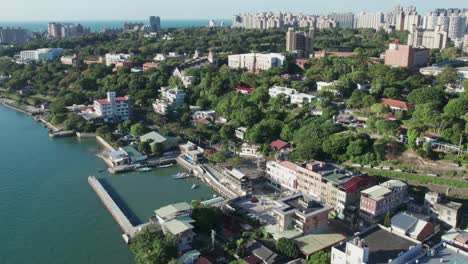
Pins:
x: 66, y: 10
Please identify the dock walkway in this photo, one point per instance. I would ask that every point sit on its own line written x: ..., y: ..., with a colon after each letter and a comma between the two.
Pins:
x: 127, y: 227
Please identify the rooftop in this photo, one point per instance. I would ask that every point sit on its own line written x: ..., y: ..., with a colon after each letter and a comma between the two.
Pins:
x: 262, y: 252
x: 279, y: 144
x: 288, y: 164
x: 155, y: 136
x: 309, y: 244
x: 397, y: 103
x: 447, y: 254
x: 172, y: 209
x: 131, y: 151
x: 376, y: 192
x: 384, y: 245
x: 176, y: 226
x: 302, y: 203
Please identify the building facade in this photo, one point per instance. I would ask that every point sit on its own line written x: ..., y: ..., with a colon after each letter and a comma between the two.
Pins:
x: 343, y: 20
x: 113, y: 108
x: 255, y: 62
x: 300, y: 42
x: 428, y: 38
x: 14, y: 35
x: 376, y: 201
x: 398, y: 55
x: 48, y: 54
x: 114, y: 58
x: 169, y: 99
x: 369, y: 20
x: 282, y: 175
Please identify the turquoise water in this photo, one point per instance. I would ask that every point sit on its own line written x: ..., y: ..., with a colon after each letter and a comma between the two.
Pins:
x: 98, y: 25
x: 49, y: 213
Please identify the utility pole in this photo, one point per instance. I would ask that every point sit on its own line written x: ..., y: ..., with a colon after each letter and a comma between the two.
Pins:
x: 213, y: 234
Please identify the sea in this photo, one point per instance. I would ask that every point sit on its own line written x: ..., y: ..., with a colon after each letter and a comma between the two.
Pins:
x: 48, y: 211
x: 101, y: 24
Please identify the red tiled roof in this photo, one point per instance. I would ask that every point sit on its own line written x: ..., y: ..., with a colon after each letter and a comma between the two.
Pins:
x: 396, y: 41
x: 203, y: 260
x: 245, y: 89
x: 252, y: 260
x: 429, y: 135
x: 121, y: 99
x: 355, y: 183
x: 289, y: 165
x: 302, y: 60
x: 390, y: 117
x: 279, y: 144
x: 397, y: 103
x: 103, y: 101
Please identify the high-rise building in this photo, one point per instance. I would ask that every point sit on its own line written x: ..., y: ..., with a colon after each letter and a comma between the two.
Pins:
x: 155, y: 23
x: 428, y: 38
x: 14, y: 35
x: 343, y: 20
x: 457, y: 27
x: 369, y: 20
x: 66, y: 30
x: 300, y: 42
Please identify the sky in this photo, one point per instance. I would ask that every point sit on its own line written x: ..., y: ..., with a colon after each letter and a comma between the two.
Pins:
x: 59, y: 10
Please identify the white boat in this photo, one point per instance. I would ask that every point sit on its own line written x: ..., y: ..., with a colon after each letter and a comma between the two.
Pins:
x: 194, y: 186
x: 143, y: 169
x: 166, y: 166
x: 181, y: 175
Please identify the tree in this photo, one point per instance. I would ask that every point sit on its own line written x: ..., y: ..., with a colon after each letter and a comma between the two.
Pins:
x: 456, y: 108
x: 288, y: 248
x: 380, y: 109
x: 320, y: 257
x: 392, y: 93
x: 387, y: 221
x: 449, y: 75
x: 125, y: 126
x: 206, y: 218
x: 138, y: 129
x: 435, y: 95
x: 412, y: 137
x: 386, y: 127
x: 145, y: 147
x: 152, y: 246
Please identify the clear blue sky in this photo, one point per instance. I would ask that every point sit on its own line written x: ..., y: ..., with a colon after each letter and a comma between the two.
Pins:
x: 51, y: 10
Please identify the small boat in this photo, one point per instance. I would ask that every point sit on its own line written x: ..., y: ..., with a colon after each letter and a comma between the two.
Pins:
x: 143, y: 169
x: 166, y: 166
x: 180, y: 175
x: 194, y: 186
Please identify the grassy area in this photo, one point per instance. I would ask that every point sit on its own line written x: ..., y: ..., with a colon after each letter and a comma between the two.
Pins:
x: 415, y: 178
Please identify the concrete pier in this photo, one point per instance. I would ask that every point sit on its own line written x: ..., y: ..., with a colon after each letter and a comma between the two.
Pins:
x: 127, y: 227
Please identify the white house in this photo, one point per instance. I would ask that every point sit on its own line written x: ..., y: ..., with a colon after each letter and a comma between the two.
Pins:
x: 112, y: 108
x: 282, y: 174
x: 48, y: 54
x: 294, y: 96
x: 114, y: 58
x: 256, y: 61
x: 250, y: 150
x: 169, y: 98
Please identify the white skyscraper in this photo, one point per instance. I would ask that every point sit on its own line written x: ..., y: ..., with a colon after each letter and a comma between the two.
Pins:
x: 369, y: 20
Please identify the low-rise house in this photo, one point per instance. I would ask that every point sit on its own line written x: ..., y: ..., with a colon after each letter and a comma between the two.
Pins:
x: 150, y: 65
x: 282, y: 175
x: 244, y: 90
x: 170, y: 98
x: 457, y: 238
x: 191, y: 152
x: 121, y: 64
x: 280, y: 145
x: 126, y: 155
x: 112, y: 108
x: 176, y: 220
x: 205, y: 116
x: 95, y: 60
x: 169, y: 56
x: 293, y: 95
x: 196, y: 62
x: 302, y: 63
x: 408, y: 225
x: 261, y: 252
x: 437, y: 205
x: 241, y: 132
x: 114, y: 58
x: 238, y: 180
x: 397, y: 105
x: 71, y: 60
x: 301, y: 212
x: 327, y: 86
x: 158, y: 140
x: 376, y: 245
x: 250, y: 150
x: 376, y: 201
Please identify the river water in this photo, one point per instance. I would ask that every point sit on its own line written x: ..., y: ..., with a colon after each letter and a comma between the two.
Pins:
x: 49, y: 213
